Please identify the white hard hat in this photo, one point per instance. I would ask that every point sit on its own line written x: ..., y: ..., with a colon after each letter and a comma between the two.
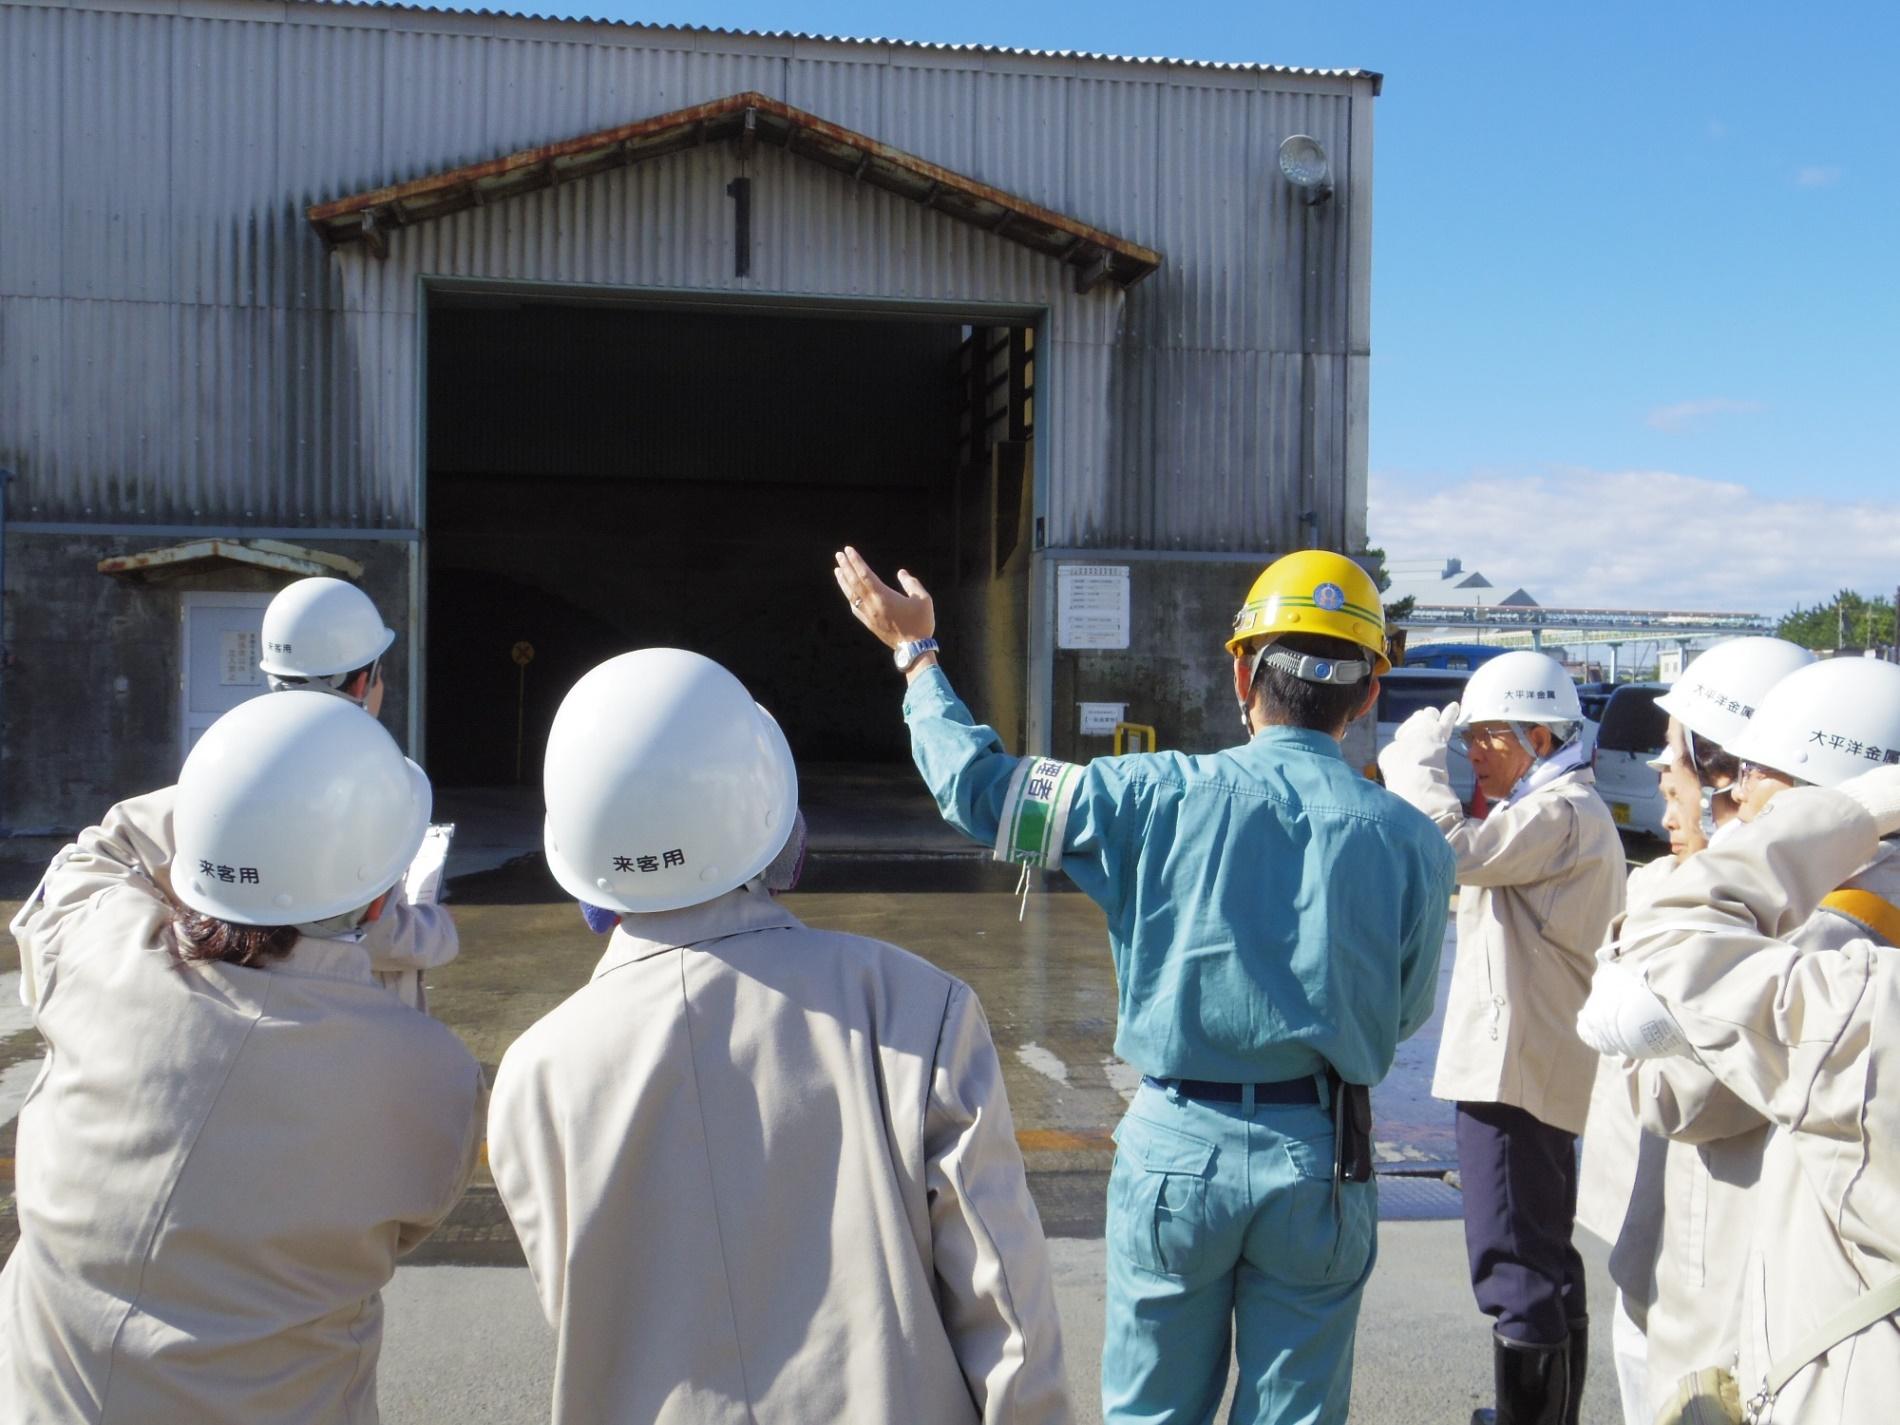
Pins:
x: 1721, y: 688
x: 315, y: 628
x: 1520, y: 687
x: 666, y: 784
x: 293, y: 810
x: 1827, y: 721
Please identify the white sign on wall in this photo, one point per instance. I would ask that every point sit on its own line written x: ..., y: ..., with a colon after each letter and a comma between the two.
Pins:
x: 1099, y: 719
x: 222, y: 635
x: 238, y: 654
x: 1092, y: 606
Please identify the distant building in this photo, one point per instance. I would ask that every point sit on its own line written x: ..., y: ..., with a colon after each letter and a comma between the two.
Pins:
x: 1447, y: 581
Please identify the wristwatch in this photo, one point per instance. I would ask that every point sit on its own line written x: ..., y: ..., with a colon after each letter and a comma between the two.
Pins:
x: 906, y: 654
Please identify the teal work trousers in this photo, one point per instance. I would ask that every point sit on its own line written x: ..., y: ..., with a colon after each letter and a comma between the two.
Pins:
x: 1224, y: 1229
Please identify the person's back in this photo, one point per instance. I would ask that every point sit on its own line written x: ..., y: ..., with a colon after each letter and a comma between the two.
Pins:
x: 213, y: 1179
x: 761, y: 1173
x: 777, y: 1189
x: 1330, y: 875
x: 1276, y: 923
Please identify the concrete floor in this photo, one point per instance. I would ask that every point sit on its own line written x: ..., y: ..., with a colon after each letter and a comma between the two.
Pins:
x: 470, y: 1346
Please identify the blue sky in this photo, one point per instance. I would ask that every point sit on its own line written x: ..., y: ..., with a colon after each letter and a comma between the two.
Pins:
x: 1636, y: 260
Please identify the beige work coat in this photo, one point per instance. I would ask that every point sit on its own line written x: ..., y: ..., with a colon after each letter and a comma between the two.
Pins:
x: 1810, y: 1041
x: 764, y: 1173
x: 1541, y: 879
x: 217, y: 1166
x: 405, y: 942
x: 1618, y: 1185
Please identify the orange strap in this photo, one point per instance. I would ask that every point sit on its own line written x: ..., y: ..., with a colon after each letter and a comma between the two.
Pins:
x: 1876, y: 913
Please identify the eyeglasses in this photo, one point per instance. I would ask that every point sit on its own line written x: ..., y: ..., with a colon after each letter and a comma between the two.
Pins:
x: 1491, y: 739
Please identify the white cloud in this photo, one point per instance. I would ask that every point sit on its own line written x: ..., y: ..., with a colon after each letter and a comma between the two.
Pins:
x: 1640, y: 538
x: 1683, y: 414
x: 1817, y: 175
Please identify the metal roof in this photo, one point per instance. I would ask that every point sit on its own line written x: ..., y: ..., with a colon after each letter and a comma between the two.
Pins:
x: 747, y: 119
x: 883, y: 42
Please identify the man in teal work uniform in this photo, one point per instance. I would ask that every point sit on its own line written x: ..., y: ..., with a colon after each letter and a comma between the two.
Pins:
x: 1275, y: 921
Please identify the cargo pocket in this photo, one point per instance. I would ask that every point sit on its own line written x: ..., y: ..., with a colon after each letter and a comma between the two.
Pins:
x: 1157, y: 1197
x: 1321, y: 1247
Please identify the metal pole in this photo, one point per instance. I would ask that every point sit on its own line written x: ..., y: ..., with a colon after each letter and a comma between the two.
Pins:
x: 1309, y: 384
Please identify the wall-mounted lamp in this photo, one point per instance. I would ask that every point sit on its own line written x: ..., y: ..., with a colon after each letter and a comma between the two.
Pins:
x: 1304, y: 163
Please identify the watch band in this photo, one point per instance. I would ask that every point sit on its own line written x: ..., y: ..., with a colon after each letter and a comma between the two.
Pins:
x: 906, y: 654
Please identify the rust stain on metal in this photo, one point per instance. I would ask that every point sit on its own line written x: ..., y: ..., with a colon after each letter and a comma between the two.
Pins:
x: 369, y: 216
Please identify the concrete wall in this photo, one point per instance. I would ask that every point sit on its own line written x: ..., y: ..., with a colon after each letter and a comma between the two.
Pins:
x: 1175, y: 674
x: 89, y: 705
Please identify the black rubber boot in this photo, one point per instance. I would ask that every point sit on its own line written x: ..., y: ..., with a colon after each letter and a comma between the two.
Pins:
x: 1533, y: 1383
x: 1579, y: 1369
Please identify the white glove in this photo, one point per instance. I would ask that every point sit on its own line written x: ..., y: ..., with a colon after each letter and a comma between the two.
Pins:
x: 1624, y: 1017
x: 1879, y: 792
x: 1429, y: 728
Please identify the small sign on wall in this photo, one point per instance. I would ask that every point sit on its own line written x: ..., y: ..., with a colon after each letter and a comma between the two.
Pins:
x: 1092, y: 606
x: 1099, y: 719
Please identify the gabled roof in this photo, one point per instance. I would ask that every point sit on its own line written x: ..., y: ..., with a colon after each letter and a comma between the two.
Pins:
x: 747, y: 119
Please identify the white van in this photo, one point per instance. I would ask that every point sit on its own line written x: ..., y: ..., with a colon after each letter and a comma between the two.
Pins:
x: 1402, y: 692
x: 1633, y: 731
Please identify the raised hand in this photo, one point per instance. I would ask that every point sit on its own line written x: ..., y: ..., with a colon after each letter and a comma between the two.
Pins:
x: 895, y: 618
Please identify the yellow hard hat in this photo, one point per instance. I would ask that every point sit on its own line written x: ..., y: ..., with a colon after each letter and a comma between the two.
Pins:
x: 1314, y: 591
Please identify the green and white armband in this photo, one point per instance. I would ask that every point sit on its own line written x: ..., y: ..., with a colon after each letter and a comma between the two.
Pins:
x: 1036, y: 812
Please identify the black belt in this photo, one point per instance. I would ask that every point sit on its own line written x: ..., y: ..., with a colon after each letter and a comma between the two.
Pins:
x: 1301, y: 1090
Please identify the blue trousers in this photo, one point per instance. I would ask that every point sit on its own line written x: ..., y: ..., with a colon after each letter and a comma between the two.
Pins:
x: 1224, y: 1232
x: 1519, y: 1181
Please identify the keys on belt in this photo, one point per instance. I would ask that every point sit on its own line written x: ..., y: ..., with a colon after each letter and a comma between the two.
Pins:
x: 1304, y: 1089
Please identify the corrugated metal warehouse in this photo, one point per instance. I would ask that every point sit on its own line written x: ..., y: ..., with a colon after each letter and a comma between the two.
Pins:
x: 587, y: 336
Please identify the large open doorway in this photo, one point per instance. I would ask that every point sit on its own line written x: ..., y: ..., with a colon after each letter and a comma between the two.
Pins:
x: 609, y: 475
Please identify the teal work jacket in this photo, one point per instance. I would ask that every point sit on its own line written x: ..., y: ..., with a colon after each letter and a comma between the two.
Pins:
x: 1270, y: 911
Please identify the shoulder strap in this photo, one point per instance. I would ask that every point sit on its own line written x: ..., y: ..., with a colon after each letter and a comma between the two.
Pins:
x: 1864, y: 908
x: 1856, y: 1317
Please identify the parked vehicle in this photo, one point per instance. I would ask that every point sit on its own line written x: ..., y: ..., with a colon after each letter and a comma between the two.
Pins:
x: 1402, y: 692
x: 1594, y: 696
x: 1633, y: 731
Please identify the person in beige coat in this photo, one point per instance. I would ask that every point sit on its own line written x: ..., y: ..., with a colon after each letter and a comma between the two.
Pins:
x: 1726, y: 1179
x: 1541, y: 878
x: 762, y: 1173
x: 1620, y: 1186
x: 213, y: 1180
x: 1678, y: 1214
x: 1811, y: 1042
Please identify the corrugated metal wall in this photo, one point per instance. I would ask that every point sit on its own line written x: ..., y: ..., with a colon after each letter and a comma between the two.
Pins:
x: 177, y: 346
